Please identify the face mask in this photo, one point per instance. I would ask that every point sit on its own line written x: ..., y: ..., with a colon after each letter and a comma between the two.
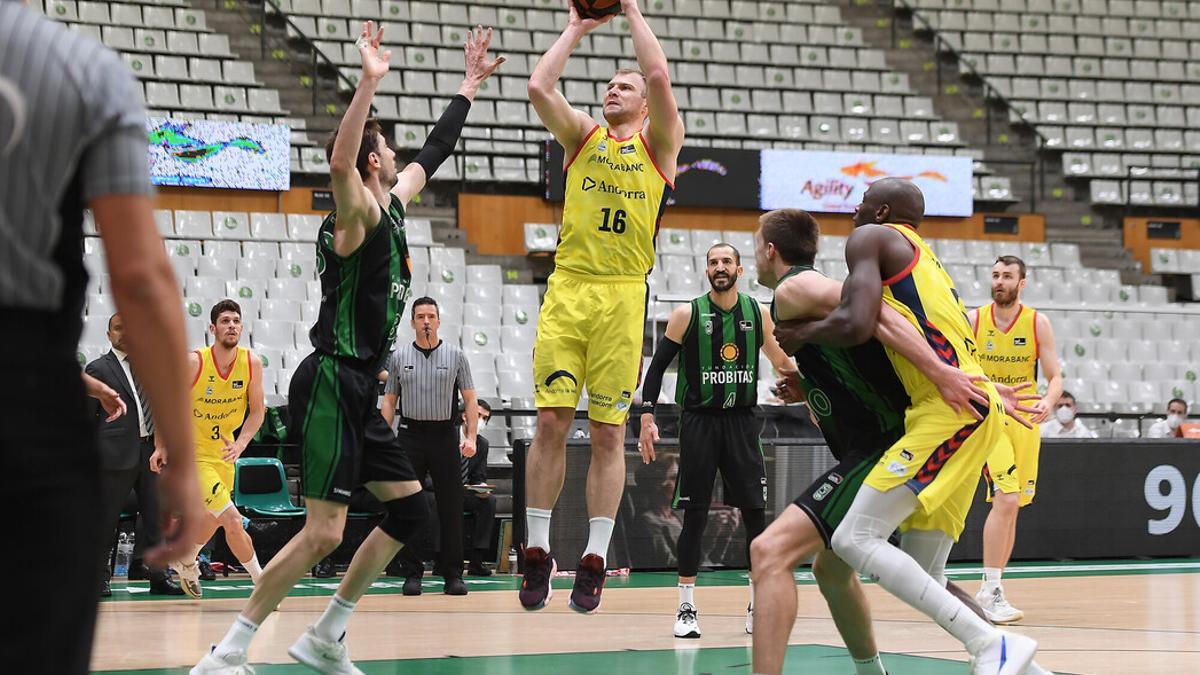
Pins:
x: 1064, y: 415
x: 483, y: 423
x: 1174, y: 421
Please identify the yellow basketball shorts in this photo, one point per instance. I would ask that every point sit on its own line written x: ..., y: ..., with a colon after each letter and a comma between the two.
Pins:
x: 216, y: 484
x: 939, y: 458
x: 1012, y: 465
x: 590, y: 335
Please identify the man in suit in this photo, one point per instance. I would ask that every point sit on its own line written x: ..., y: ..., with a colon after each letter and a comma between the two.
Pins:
x: 125, y: 448
x: 480, y: 504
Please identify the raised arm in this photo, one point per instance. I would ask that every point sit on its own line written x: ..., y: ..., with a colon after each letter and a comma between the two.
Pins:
x: 357, y: 209
x: 1048, y: 362
x: 566, y: 124
x: 665, y: 133
x: 444, y: 137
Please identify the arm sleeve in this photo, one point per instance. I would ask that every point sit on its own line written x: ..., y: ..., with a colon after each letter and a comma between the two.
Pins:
x: 444, y: 136
x: 663, y: 356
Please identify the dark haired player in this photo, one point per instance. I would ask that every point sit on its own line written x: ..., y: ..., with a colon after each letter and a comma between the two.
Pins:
x: 362, y: 260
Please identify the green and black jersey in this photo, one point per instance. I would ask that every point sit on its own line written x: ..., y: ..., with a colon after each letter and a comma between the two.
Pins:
x: 362, y: 294
x: 854, y: 392
x: 718, y: 362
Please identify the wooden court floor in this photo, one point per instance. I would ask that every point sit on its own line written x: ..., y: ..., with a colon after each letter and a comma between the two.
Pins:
x: 1121, y: 618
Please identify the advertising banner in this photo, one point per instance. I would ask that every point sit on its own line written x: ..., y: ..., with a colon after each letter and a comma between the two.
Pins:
x: 202, y: 153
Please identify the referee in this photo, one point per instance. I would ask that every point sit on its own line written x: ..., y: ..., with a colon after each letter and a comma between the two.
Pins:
x: 717, y: 337
x: 73, y: 136
x: 425, y: 377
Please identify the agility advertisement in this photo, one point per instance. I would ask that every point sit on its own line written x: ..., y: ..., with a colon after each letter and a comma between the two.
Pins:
x: 834, y: 182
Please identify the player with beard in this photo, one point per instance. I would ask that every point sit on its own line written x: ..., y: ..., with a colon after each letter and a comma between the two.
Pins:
x: 226, y: 389
x: 717, y: 337
x: 1014, y: 342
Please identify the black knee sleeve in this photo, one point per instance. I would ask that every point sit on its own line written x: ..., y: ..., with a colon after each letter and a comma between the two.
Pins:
x: 690, y: 540
x: 404, y: 517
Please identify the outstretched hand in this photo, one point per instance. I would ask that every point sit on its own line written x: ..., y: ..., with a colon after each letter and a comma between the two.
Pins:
x: 479, y: 66
x: 961, y: 392
x: 374, y: 63
x: 1013, y: 402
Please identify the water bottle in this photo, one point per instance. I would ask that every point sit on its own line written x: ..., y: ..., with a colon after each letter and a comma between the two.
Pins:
x: 512, y: 560
x: 124, y: 553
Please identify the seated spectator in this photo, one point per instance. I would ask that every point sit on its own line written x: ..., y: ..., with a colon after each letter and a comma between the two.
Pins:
x: 479, y: 501
x: 1172, y: 426
x: 1064, y: 424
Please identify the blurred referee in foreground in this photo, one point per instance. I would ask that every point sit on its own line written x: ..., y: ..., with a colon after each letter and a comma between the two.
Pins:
x: 425, y: 376
x: 73, y: 136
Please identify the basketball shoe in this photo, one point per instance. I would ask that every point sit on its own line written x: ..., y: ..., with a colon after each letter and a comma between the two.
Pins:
x: 995, y: 606
x: 1005, y: 654
x: 536, y: 589
x: 323, y: 656
x: 230, y: 664
x: 686, y: 623
x: 589, y: 582
x: 189, y: 578
x: 750, y: 619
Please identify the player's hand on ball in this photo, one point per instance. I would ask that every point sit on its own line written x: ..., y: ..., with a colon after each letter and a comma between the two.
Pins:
x: 648, y: 438
x: 479, y: 66
x: 374, y: 63
x: 586, y: 25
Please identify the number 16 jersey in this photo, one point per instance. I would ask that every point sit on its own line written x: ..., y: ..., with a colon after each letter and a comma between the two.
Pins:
x: 614, y: 197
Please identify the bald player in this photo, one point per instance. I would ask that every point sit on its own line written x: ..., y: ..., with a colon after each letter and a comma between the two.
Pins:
x: 928, y: 476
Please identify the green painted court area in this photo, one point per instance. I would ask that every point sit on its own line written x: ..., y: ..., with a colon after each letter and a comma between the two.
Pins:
x: 806, y: 659
x: 241, y: 587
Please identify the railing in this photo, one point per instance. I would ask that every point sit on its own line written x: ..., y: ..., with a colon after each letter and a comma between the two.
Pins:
x: 990, y: 92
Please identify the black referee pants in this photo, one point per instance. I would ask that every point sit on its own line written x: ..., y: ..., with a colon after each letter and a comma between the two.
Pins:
x: 433, y: 447
x: 51, y: 477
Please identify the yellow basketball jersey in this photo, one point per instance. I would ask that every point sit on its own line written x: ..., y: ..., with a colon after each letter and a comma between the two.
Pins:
x: 219, y: 401
x: 925, y: 295
x: 615, y: 195
x: 1009, y: 355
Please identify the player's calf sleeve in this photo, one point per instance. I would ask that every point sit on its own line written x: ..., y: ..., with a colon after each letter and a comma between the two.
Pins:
x: 755, y: 521
x: 690, y: 541
x: 404, y: 517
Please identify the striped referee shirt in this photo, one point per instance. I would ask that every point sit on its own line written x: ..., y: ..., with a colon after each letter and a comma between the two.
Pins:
x: 428, y: 380
x: 72, y: 128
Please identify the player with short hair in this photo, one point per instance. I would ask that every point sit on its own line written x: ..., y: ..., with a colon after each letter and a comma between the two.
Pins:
x: 717, y: 337
x: 928, y: 476
x: 619, y: 174
x: 1015, y: 343
x: 362, y: 261
x: 226, y: 394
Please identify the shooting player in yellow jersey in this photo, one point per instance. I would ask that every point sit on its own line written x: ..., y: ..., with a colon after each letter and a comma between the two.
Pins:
x: 930, y: 471
x: 226, y: 389
x: 619, y: 174
x: 1015, y: 342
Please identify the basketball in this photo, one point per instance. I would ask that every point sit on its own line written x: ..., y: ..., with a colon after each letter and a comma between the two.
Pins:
x: 597, y: 9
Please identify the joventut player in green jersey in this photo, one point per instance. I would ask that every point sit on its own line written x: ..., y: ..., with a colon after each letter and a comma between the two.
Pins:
x: 362, y: 259
x: 717, y: 337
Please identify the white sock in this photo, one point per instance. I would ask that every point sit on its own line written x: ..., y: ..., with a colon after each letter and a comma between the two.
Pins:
x: 687, y: 594
x: 189, y: 557
x: 599, y: 534
x: 861, y: 540
x: 991, y: 578
x: 871, y: 666
x: 537, y: 528
x: 238, y: 638
x: 332, y: 624
x: 751, y: 594
x: 253, y: 568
